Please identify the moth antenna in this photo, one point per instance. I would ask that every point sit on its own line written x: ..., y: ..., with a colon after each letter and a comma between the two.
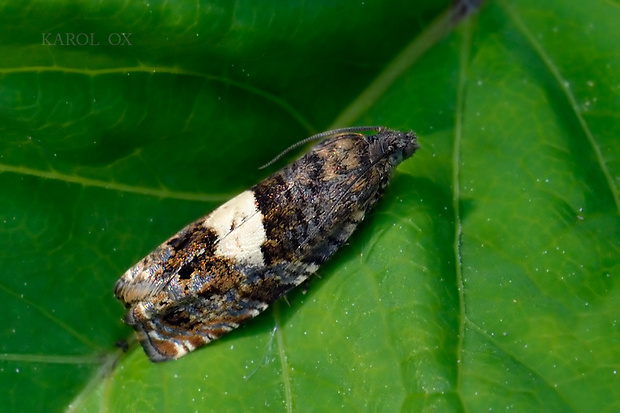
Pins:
x: 320, y: 136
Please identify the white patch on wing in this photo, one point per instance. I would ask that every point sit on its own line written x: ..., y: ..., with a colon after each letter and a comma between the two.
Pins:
x: 312, y: 267
x: 181, y: 351
x: 189, y: 346
x: 239, y: 227
x: 254, y: 312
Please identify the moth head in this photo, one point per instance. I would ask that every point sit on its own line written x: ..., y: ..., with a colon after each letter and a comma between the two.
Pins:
x: 395, y: 146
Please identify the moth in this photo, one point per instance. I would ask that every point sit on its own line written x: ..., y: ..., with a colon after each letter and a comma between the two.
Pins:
x: 227, y: 267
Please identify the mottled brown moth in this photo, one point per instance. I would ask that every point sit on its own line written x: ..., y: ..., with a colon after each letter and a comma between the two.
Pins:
x: 227, y: 267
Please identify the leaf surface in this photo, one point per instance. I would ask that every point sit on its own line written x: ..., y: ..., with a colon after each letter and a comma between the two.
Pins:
x: 486, y: 278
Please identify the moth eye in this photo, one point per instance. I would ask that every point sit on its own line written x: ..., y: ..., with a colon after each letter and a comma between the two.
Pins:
x: 396, y: 157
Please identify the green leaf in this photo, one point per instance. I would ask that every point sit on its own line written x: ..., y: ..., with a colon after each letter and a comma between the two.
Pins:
x: 486, y: 278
